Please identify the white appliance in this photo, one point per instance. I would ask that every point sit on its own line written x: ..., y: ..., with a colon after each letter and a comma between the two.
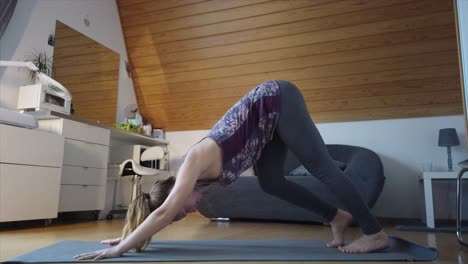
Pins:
x: 46, y: 94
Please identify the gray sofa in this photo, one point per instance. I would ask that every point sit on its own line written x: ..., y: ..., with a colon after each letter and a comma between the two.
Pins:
x: 244, y: 199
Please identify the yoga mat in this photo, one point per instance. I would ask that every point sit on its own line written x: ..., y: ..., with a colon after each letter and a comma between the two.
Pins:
x: 231, y: 250
x: 419, y: 228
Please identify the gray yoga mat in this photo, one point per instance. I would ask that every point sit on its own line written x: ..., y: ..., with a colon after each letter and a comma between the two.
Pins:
x: 232, y: 250
x: 419, y: 228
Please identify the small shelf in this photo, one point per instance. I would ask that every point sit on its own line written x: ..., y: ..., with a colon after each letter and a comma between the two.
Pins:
x: 135, y: 138
x: 439, y: 175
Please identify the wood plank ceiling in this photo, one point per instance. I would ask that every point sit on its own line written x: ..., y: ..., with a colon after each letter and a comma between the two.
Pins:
x: 352, y: 59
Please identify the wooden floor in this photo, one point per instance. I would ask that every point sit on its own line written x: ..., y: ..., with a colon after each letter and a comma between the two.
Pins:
x: 16, y: 241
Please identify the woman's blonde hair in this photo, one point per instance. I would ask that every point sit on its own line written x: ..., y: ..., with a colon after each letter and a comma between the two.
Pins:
x: 145, y: 203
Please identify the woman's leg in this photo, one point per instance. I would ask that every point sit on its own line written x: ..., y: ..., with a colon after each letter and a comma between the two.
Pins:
x: 269, y: 169
x: 302, y: 137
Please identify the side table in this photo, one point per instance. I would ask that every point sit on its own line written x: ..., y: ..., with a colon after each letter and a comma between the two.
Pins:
x: 427, y: 178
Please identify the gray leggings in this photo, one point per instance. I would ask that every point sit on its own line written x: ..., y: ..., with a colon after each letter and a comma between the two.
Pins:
x: 297, y: 132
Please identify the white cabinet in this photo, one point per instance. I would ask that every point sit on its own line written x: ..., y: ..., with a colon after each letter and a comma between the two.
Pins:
x: 30, y: 171
x: 31, y: 147
x: 28, y: 192
x: 85, y: 159
x: 75, y: 175
x: 85, y: 154
x: 82, y: 197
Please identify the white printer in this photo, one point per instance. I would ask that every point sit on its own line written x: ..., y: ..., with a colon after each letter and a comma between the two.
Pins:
x: 46, y: 94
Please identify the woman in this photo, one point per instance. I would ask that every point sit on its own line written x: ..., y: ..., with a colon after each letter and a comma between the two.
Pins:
x: 257, y: 131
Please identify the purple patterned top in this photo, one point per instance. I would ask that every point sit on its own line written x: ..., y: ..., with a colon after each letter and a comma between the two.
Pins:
x: 245, y: 129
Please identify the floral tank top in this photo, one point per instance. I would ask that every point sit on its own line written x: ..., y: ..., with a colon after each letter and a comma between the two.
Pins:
x: 245, y: 129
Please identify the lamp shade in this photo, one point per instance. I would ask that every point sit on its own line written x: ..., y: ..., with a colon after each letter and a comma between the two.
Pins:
x: 448, y: 137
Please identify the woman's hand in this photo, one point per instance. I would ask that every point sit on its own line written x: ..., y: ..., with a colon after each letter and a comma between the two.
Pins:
x: 99, y: 254
x: 112, y: 242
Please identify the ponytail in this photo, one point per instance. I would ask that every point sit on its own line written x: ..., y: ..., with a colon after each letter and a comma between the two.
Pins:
x: 140, y: 208
x: 137, y: 212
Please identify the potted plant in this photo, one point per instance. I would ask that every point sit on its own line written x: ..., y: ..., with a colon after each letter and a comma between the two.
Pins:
x: 42, y: 61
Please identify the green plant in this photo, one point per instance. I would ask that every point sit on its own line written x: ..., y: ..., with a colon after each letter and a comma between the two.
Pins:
x: 42, y: 61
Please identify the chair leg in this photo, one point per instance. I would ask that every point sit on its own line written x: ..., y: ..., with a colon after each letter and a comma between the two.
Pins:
x: 459, y: 207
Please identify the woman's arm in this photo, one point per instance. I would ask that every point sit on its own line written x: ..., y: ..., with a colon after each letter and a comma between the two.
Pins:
x: 195, y: 163
x: 112, y: 242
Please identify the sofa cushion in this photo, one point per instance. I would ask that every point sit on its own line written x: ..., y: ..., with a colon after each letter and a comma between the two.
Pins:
x: 302, y: 171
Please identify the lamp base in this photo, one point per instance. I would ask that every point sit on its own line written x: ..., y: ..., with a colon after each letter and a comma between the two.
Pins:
x: 449, y: 158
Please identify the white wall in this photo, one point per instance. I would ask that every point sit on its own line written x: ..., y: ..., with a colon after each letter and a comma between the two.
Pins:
x: 406, y: 147
x: 462, y: 15
x: 34, y: 20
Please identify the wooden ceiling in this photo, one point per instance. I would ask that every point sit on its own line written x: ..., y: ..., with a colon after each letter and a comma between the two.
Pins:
x: 352, y: 59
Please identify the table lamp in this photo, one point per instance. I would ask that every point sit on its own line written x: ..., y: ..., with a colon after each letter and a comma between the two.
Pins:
x: 447, y: 138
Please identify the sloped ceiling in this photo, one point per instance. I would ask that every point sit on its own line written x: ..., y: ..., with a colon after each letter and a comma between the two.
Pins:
x: 353, y: 60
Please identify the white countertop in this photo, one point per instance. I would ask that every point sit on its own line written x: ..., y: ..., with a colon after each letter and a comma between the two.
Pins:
x: 115, y: 133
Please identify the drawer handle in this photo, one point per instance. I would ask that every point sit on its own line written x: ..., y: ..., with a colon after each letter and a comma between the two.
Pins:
x: 84, y: 186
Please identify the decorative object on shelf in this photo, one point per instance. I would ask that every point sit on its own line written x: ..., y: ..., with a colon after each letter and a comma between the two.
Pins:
x: 159, y: 133
x: 128, y: 127
x: 137, y: 121
x: 132, y: 116
x: 133, y: 120
x: 448, y: 138
x: 148, y: 129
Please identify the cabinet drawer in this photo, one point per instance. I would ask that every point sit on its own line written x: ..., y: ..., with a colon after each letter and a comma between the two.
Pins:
x: 76, y: 130
x: 32, y: 147
x: 28, y: 192
x: 84, y: 132
x: 83, y: 175
x: 81, y: 198
x: 83, y: 154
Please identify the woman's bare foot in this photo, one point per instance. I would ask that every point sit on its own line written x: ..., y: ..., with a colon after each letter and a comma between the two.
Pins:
x: 338, y: 225
x: 367, y: 243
